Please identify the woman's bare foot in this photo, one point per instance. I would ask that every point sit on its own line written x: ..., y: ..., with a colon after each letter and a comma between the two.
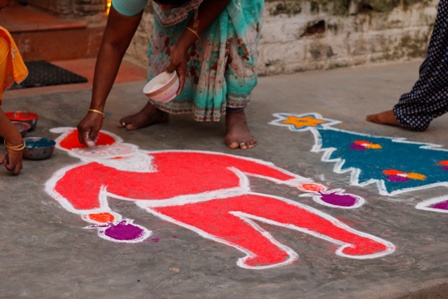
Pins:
x: 384, y: 118
x: 149, y: 115
x: 237, y: 132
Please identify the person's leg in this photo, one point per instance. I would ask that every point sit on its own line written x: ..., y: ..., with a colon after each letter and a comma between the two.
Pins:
x: 162, y: 38
x: 149, y: 115
x: 428, y: 98
x: 238, y: 134
x: 241, y: 74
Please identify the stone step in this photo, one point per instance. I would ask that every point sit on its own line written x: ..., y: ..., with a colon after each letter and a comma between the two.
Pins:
x: 41, y: 35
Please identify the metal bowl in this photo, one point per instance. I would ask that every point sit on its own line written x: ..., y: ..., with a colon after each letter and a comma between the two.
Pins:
x: 24, y: 116
x: 38, y: 148
x: 21, y: 126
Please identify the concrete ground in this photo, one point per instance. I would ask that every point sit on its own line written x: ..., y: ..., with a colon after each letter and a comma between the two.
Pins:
x: 47, y: 252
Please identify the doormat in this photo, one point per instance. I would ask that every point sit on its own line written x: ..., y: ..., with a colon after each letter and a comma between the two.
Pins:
x: 42, y: 73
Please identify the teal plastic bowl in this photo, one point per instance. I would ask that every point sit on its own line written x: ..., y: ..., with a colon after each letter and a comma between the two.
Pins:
x: 38, y: 148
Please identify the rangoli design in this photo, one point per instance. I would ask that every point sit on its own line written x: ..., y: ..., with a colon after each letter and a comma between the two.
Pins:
x: 395, y: 165
x: 206, y: 192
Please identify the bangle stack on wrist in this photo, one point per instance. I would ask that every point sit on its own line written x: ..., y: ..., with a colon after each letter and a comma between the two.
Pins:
x: 15, y: 148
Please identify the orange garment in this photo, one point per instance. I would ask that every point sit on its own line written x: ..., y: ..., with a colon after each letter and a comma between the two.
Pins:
x: 12, y: 67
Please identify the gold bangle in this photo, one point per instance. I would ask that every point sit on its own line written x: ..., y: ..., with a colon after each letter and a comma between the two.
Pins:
x: 15, y: 148
x: 97, y: 111
x: 194, y: 32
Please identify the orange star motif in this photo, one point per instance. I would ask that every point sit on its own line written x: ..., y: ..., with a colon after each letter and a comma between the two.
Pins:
x: 301, y: 122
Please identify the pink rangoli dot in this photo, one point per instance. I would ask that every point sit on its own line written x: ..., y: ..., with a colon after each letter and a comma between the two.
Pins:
x: 343, y: 200
x: 397, y: 178
x: 123, y: 231
x: 357, y: 147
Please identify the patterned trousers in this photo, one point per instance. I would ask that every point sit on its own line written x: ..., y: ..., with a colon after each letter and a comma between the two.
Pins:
x: 428, y: 97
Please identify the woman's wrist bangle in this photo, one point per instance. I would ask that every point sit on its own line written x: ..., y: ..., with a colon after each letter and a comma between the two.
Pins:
x: 15, y: 148
x: 194, y: 32
x: 97, y: 111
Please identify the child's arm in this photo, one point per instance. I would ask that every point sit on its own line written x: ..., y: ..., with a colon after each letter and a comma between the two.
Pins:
x: 13, y: 161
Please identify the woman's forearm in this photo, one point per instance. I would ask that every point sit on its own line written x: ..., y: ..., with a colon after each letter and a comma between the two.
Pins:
x: 118, y: 34
x: 208, y: 12
x: 8, y: 131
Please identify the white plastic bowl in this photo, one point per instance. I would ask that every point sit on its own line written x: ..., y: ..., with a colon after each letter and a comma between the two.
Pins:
x: 163, y: 87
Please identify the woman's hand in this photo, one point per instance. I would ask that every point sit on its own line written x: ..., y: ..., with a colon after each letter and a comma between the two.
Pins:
x: 209, y: 10
x: 179, y: 57
x: 89, y: 128
x: 13, y: 161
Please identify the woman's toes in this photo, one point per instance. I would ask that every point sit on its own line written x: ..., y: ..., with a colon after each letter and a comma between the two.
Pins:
x: 233, y: 145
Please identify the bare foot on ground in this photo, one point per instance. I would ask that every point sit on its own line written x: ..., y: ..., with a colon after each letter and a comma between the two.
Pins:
x: 384, y: 118
x: 149, y: 115
x: 237, y: 132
